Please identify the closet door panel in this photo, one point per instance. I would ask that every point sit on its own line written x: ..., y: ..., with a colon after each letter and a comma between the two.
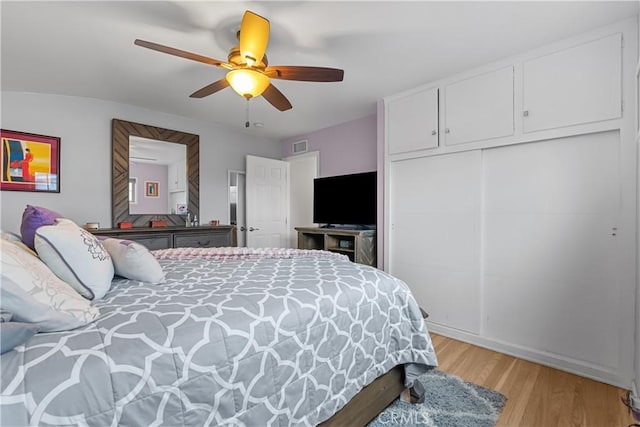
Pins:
x: 551, y: 255
x: 435, y: 231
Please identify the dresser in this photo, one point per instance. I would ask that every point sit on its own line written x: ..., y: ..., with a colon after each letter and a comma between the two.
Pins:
x: 175, y: 237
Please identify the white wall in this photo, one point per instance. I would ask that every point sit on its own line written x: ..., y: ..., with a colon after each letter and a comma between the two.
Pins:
x: 303, y: 169
x: 84, y: 126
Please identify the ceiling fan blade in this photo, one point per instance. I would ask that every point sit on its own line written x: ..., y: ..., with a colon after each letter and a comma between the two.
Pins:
x: 254, y: 37
x: 210, y: 89
x: 305, y: 74
x: 276, y: 98
x: 178, y: 52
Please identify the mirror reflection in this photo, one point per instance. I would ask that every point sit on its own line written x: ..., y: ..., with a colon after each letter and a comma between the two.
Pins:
x: 237, y: 213
x: 157, y: 177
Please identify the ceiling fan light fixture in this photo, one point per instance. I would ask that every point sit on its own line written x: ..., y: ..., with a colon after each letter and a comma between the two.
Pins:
x: 247, y: 83
x: 249, y: 71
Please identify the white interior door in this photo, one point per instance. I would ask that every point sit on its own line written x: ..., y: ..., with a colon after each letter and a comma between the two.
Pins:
x: 267, y: 202
x: 302, y: 170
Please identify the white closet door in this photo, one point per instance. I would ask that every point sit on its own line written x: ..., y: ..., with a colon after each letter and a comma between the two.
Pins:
x: 435, y: 235
x: 551, y: 250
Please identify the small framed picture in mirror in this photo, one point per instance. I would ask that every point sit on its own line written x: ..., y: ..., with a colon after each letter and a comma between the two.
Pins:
x: 151, y: 188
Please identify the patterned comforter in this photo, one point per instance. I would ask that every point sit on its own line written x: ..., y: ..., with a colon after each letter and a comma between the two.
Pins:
x: 230, y: 338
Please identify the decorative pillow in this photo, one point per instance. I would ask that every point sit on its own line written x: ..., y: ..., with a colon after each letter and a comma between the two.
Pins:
x: 33, y: 294
x: 32, y: 218
x: 76, y: 256
x: 12, y: 334
x: 133, y: 260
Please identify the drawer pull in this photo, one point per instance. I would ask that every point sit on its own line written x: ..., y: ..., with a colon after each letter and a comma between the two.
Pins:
x: 204, y: 243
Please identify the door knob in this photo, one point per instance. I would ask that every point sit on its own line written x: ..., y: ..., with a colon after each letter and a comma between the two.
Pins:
x: 253, y: 229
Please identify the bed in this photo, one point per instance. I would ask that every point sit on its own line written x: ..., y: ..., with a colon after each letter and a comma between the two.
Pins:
x: 232, y: 336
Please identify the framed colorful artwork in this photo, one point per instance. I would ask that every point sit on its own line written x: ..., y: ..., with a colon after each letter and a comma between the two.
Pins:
x: 151, y: 188
x: 30, y: 162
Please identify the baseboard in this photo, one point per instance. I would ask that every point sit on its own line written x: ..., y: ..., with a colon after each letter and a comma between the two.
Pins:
x: 573, y: 366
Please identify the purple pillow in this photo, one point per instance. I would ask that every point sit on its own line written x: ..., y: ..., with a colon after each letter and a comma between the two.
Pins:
x: 32, y: 218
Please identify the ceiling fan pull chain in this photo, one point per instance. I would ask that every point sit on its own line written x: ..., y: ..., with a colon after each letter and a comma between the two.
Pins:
x: 246, y: 123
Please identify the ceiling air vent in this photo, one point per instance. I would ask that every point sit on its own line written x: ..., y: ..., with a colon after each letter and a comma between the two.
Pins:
x: 300, y: 146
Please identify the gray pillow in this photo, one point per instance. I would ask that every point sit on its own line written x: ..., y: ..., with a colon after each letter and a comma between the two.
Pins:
x: 12, y: 334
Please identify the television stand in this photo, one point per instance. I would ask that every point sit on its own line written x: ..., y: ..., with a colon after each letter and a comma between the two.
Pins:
x: 358, y: 245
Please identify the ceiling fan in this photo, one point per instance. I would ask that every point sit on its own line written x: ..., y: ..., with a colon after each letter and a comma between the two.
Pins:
x: 249, y: 71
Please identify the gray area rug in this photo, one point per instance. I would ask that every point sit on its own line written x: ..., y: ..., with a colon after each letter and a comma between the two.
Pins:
x: 449, y: 401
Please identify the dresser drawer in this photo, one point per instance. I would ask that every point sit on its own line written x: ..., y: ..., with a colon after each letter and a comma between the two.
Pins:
x: 201, y: 240
x: 175, y: 237
x: 151, y: 242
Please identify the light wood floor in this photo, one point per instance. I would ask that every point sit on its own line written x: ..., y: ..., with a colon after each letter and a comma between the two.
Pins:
x: 536, y: 395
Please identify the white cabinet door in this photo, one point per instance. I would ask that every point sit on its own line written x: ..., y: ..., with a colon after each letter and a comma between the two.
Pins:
x: 479, y: 107
x: 177, y: 176
x: 412, y: 122
x: 574, y: 86
x: 181, y: 178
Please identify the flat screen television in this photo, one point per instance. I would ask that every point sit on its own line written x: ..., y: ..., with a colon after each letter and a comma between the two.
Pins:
x: 346, y: 200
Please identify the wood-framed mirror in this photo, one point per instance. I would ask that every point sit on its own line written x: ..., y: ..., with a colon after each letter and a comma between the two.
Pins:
x: 122, y: 133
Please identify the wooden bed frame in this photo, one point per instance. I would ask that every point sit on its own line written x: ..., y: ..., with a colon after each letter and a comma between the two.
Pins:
x: 370, y: 401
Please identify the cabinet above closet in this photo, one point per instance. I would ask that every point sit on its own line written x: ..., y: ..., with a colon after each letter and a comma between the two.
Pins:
x: 582, y: 84
x: 412, y: 122
x: 479, y: 107
x: 565, y: 89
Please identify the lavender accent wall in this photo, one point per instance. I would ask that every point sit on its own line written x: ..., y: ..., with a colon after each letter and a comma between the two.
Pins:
x: 149, y: 172
x: 351, y: 147
x: 347, y: 148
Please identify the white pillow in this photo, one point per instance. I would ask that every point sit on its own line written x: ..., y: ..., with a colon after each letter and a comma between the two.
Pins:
x: 15, y: 239
x: 76, y: 256
x: 7, y: 235
x: 133, y: 260
x: 33, y: 294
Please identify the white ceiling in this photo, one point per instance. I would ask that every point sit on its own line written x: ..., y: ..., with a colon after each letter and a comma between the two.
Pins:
x: 144, y: 150
x: 86, y: 49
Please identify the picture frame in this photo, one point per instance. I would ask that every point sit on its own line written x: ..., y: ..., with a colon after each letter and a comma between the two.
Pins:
x: 151, y: 188
x: 30, y: 162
